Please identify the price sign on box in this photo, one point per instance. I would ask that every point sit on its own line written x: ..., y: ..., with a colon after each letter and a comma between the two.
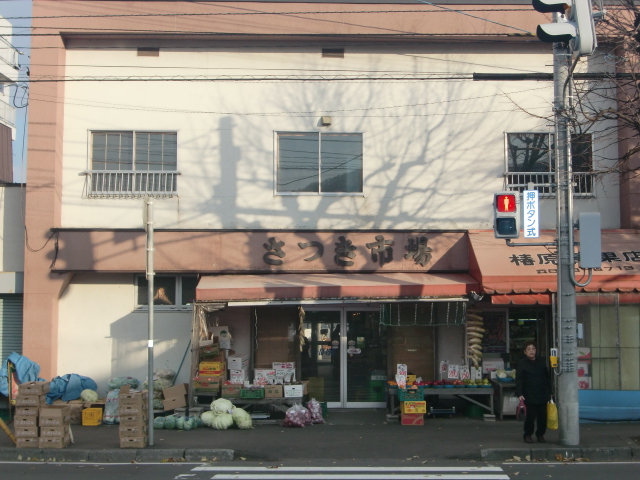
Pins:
x: 453, y: 371
x: 465, y: 374
x: 401, y: 369
x: 443, y: 366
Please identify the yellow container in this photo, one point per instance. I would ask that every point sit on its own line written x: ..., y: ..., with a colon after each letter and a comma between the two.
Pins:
x: 91, y: 416
x: 414, y: 406
x: 411, y: 379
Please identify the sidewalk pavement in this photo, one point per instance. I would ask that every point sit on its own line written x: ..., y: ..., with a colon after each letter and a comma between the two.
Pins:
x: 363, y: 435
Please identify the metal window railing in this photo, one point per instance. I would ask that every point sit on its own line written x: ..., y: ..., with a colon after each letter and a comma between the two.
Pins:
x: 130, y: 183
x: 545, y: 183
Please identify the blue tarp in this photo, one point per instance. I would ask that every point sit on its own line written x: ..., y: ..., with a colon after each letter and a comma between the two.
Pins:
x: 609, y: 405
x: 68, y: 387
x: 26, y: 371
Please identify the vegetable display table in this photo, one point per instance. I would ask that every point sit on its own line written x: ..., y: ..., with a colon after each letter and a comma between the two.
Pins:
x: 505, y: 389
x: 462, y: 392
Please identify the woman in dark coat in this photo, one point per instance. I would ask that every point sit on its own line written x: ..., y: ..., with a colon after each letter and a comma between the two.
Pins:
x: 533, y: 385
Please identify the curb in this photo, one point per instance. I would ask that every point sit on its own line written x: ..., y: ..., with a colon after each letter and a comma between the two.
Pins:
x: 594, y: 454
x: 115, y: 455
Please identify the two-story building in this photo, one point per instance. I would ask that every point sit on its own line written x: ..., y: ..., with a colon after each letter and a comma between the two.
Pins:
x: 317, y: 169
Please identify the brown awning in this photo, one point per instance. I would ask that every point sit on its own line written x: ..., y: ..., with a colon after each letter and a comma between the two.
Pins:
x: 374, y: 286
x: 501, y: 269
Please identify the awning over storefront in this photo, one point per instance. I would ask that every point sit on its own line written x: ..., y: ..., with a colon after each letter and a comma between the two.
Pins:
x: 372, y: 286
x: 526, y: 270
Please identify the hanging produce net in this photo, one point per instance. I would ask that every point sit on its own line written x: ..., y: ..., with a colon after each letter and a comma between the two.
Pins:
x: 423, y: 314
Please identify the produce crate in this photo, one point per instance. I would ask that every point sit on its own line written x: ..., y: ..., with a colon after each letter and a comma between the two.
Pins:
x: 408, y: 395
x: 252, y: 393
x: 91, y: 417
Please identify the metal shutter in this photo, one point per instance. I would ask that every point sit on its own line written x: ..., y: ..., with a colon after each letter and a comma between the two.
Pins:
x: 10, y: 325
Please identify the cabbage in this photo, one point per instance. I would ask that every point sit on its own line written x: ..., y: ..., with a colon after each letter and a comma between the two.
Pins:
x: 170, y: 423
x: 501, y: 373
x: 89, y: 395
x: 180, y: 423
x: 158, y: 423
x: 189, y: 423
x: 158, y: 404
x: 222, y: 421
x: 207, y: 418
x: 513, y: 374
x: 242, y: 419
x: 199, y: 422
x: 221, y: 405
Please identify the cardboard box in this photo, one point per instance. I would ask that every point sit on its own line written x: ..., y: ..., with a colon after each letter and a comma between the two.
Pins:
x: 176, y: 396
x: 239, y: 376
x: 129, y: 397
x: 129, y: 410
x: 492, y: 364
x: 292, y: 391
x: 25, y: 421
x: 208, y: 386
x: 509, y: 404
x: 411, y: 419
x: 49, y: 421
x: 27, y: 432
x: 221, y: 332
x: 62, y: 431
x: 55, y: 415
x: 264, y: 376
x: 34, y: 388
x: 27, y: 442
x: 173, y: 403
x: 212, y: 368
x: 133, y: 420
x: 76, y: 407
x: 238, y: 361
x: 230, y: 391
x: 273, y: 391
x: 27, y: 411
x: 54, y: 442
x: 209, y: 351
x: 133, y: 442
x: 31, y: 400
x: 413, y: 407
x: 133, y: 430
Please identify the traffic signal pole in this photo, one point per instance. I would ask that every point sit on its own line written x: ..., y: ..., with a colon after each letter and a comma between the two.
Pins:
x: 566, y: 323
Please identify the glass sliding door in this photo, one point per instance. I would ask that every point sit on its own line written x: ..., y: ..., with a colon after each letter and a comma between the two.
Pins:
x: 345, y: 369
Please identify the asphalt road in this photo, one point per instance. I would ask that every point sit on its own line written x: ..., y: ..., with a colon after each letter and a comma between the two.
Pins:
x: 325, y: 470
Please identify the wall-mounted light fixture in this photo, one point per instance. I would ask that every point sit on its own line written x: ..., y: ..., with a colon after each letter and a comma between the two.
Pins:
x: 325, y: 121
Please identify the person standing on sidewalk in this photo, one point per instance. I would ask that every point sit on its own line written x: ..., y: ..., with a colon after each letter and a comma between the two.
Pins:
x: 533, y: 385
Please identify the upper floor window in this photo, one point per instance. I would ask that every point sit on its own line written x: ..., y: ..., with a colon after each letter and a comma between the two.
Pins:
x: 127, y: 163
x: 530, y: 160
x: 170, y: 291
x: 319, y: 163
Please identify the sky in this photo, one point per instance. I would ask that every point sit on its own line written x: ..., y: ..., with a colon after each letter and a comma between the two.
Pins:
x: 19, y: 8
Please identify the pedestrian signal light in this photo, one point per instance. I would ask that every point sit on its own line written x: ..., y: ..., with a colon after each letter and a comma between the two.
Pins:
x: 506, y: 209
x: 575, y: 27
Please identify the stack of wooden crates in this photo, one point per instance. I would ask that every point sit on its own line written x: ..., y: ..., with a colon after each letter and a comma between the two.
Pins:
x: 38, y: 425
x: 134, y: 418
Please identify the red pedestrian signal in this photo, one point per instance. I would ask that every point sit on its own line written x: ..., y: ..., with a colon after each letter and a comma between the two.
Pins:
x: 506, y: 203
x: 506, y: 215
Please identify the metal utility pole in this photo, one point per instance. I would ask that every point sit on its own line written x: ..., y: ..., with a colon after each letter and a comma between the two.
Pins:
x: 148, y: 225
x: 566, y: 324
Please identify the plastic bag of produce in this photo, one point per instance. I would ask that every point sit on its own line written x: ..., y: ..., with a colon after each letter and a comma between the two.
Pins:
x: 116, y: 382
x: 111, y: 416
x: 297, y: 416
x: 189, y: 423
x: 158, y: 404
x: 164, y: 373
x: 180, y: 423
x: 242, y: 419
x: 199, y: 422
x: 158, y: 423
x: 170, y: 423
x: 315, y: 410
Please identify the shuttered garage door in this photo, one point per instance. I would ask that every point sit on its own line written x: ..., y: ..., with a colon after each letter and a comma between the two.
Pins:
x: 10, y: 325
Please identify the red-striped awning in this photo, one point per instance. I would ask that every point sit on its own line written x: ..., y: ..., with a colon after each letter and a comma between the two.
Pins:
x: 532, y: 270
x: 372, y: 286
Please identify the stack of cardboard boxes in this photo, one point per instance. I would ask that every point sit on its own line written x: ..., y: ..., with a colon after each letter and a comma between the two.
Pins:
x: 133, y: 411
x: 212, y: 369
x: 412, y: 404
x: 38, y: 425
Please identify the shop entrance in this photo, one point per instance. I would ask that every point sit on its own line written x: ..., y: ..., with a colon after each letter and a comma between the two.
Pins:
x: 344, y: 356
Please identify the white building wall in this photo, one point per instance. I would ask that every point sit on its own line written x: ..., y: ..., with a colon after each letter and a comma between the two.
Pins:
x: 433, y: 149
x: 12, y: 228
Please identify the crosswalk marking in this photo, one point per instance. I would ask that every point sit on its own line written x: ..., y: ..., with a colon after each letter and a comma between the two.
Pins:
x: 353, y: 473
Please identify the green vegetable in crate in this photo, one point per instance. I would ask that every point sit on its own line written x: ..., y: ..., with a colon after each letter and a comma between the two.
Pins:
x: 89, y: 395
x: 170, y: 423
x: 158, y: 423
x: 222, y: 421
x: 207, y: 418
x: 242, y: 419
x: 180, y: 423
x: 221, y: 405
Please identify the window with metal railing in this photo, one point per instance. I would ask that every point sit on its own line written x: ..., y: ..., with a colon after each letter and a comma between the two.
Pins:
x: 132, y: 164
x: 530, y: 162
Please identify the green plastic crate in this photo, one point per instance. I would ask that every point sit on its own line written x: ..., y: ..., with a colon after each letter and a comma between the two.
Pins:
x: 252, y: 393
x: 405, y: 395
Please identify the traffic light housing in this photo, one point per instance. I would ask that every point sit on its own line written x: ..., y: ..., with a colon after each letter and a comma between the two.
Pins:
x: 506, y: 211
x: 576, y: 28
